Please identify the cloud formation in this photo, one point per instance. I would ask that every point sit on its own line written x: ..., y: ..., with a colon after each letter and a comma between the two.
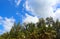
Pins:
x: 30, y: 19
x: 44, y: 8
x: 57, y: 14
x: 7, y: 23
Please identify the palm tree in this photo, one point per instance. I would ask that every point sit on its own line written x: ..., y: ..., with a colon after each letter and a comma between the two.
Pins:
x: 58, y: 28
x: 49, y: 20
x: 41, y: 23
x: 34, y: 31
x: 5, y: 35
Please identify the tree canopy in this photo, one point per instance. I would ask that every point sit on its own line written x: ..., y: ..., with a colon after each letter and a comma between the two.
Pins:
x: 44, y: 29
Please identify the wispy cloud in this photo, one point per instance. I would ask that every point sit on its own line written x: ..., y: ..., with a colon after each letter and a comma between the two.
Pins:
x: 17, y: 2
x: 26, y: 5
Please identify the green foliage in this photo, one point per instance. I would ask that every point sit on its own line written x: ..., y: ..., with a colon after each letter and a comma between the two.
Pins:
x: 34, y: 31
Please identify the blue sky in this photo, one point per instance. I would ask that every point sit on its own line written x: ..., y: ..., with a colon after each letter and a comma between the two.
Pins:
x: 9, y: 9
x: 26, y: 11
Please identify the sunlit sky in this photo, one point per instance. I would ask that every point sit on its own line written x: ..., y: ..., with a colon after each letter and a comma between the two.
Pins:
x: 26, y: 11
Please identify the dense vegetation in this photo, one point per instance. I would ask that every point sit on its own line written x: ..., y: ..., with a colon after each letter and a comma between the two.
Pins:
x: 44, y: 29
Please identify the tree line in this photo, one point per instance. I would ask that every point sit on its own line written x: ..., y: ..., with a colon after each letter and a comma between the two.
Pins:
x: 44, y: 29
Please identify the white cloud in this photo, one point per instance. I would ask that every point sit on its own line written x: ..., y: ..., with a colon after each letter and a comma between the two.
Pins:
x: 44, y: 8
x: 30, y: 19
x: 7, y: 23
x: 26, y: 5
x: 57, y: 14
